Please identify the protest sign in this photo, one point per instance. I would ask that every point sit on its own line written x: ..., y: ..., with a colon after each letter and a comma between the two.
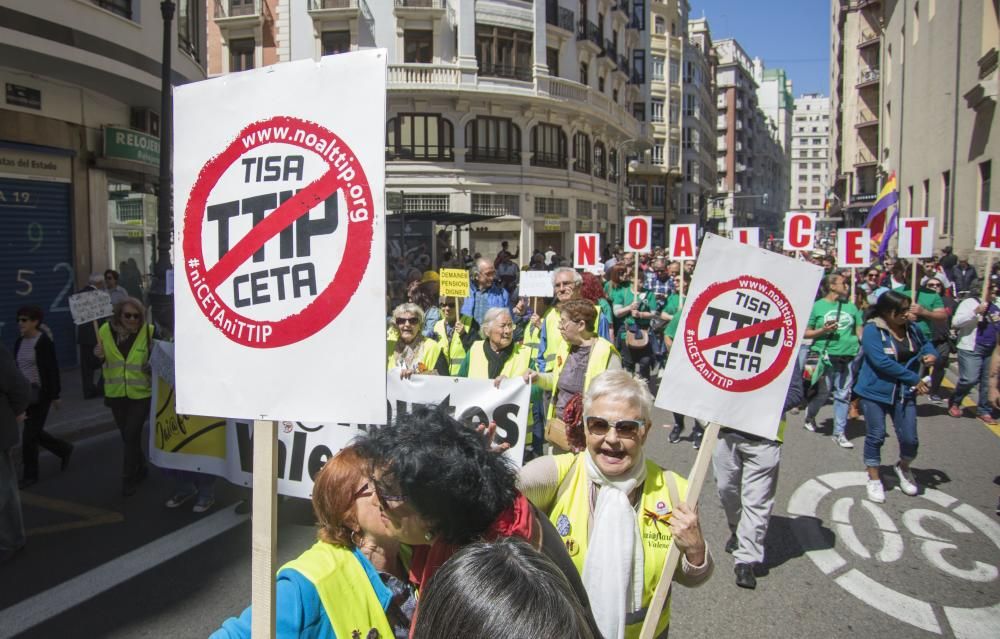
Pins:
x: 279, y: 183
x: 638, y: 234
x: 535, y: 284
x: 800, y: 231
x: 90, y: 306
x: 739, y: 332
x: 916, y: 237
x: 224, y: 447
x: 454, y: 282
x: 988, y: 231
x: 683, y: 243
x: 853, y: 247
x: 747, y: 235
x: 588, y: 250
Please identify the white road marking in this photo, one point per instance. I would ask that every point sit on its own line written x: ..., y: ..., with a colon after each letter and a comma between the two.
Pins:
x: 941, y: 499
x: 844, y: 479
x: 902, y: 607
x: 974, y: 623
x: 841, y: 511
x: 806, y: 498
x: 69, y: 594
x: 985, y: 524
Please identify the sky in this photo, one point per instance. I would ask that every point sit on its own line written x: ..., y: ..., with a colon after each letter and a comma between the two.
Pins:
x: 789, y: 34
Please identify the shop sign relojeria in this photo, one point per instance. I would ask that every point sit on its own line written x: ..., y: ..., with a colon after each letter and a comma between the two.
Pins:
x: 135, y: 146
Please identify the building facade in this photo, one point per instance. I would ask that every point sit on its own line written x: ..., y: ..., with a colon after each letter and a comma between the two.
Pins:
x: 751, y: 164
x: 79, y: 145
x: 940, y: 131
x: 698, y: 122
x: 810, y: 149
x: 520, y: 112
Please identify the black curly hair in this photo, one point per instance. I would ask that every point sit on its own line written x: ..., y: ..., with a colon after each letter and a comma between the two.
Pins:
x: 445, y: 471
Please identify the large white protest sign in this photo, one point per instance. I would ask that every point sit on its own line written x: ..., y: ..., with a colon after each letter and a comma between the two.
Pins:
x: 535, y: 284
x: 916, y: 237
x: 89, y: 306
x: 588, y: 250
x: 279, y: 183
x: 738, y: 336
x: 223, y: 447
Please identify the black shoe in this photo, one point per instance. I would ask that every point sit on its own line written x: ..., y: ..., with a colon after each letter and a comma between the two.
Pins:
x: 64, y: 461
x: 732, y: 544
x: 744, y: 576
x: 696, y: 438
x: 675, y: 433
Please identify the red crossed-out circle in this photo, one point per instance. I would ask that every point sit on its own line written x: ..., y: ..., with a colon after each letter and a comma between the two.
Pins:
x: 332, y: 299
x: 696, y: 346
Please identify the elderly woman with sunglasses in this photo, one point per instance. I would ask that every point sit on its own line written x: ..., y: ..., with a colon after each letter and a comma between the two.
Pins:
x: 407, y: 347
x: 351, y: 581
x: 441, y: 487
x: 618, y: 512
x: 124, y: 345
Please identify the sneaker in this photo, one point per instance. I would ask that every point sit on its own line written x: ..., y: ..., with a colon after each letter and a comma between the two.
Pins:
x: 696, y: 438
x: 935, y: 399
x: 842, y: 441
x: 906, y: 482
x: 809, y: 424
x: 203, y: 504
x: 732, y: 544
x: 988, y: 420
x: 179, y: 499
x: 955, y: 410
x: 876, y: 492
x: 675, y: 433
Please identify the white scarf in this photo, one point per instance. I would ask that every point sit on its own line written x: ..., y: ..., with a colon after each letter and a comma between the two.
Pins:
x: 613, y: 569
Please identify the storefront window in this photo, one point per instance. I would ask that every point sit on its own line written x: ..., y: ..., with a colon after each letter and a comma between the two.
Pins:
x: 132, y: 234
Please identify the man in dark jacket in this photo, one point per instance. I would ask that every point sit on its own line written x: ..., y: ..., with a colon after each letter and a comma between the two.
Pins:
x: 14, y: 395
x: 86, y: 340
x: 963, y: 275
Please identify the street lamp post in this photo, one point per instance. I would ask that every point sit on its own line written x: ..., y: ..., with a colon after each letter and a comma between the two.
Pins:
x: 162, y: 304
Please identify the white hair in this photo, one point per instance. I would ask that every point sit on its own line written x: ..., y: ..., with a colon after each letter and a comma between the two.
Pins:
x: 577, y: 278
x: 95, y: 279
x: 620, y: 385
x: 491, y: 316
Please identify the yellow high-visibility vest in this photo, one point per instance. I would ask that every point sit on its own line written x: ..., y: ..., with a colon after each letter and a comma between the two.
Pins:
x: 124, y: 376
x: 454, y: 350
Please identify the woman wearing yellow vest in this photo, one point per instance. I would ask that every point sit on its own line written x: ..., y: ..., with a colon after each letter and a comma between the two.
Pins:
x: 454, y: 338
x: 407, y: 348
x: 351, y: 581
x: 583, y: 357
x: 496, y: 357
x: 616, y: 511
x: 124, y: 344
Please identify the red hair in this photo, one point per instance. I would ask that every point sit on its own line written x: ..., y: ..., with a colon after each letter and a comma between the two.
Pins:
x: 592, y: 289
x: 333, y: 496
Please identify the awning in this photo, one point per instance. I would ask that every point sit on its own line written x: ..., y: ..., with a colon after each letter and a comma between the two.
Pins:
x: 442, y: 217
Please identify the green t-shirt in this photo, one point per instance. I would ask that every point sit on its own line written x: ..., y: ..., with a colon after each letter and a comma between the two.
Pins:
x: 929, y: 300
x: 843, y: 341
x: 623, y: 296
x: 671, y: 329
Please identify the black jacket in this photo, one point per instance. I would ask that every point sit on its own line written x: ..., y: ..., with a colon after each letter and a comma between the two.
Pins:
x: 963, y: 278
x: 48, y: 367
x: 14, y: 390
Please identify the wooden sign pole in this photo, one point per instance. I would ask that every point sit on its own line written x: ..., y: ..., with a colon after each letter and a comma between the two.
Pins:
x: 853, y: 281
x: 986, y: 277
x: 914, y: 283
x: 695, y: 482
x: 635, y: 280
x: 264, y: 528
x: 681, y: 300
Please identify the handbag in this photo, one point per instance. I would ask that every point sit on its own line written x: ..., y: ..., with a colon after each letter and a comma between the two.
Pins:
x: 637, y: 338
x: 555, y: 433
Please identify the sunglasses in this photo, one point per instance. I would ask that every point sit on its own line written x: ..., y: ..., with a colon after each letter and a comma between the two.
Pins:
x: 24, y: 319
x: 628, y: 428
x: 934, y: 286
x: 131, y: 315
x: 871, y: 276
x: 406, y: 320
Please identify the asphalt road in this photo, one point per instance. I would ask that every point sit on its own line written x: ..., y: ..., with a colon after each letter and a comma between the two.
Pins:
x: 100, y: 565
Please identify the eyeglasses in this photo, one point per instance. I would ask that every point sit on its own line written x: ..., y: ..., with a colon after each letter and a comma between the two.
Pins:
x: 364, y: 491
x: 406, y: 320
x: 131, y: 315
x: 23, y: 319
x: 384, y: 499
x: 628, y: 428
x: 934, y: 286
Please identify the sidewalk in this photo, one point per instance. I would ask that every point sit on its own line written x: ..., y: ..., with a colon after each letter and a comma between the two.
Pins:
x: 78, y: 418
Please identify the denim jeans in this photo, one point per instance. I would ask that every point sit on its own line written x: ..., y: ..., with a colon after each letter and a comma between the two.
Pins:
x: 904, y: 419
x: 974, y: 368
x: 837, y: 378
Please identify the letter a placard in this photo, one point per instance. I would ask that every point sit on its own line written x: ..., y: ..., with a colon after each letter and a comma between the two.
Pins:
x: 587, y: 253
x: 853, y: 247
x: 638, y: 234
x: 800, y: 231
x: 916, y: 237
x: 988, y: 231
x: 682, y: 241
x: 280, y: 241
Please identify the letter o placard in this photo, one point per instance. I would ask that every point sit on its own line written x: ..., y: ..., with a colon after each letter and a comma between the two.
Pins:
x: 638, y: 234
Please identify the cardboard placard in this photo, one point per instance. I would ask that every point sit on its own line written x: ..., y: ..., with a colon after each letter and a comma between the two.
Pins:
x: 683, y: 241
x: 454, y: 282
x: 535, y: 284
x: 587, y: 250
x: 988, y: 231
x: 800, y: 231
x: 854, y: 247
x: 638, y: 234
x: 749, y: 235
x: 916, y: 237
x: 89, y: 306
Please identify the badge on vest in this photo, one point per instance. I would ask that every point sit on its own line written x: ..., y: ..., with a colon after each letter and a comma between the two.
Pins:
x: 571, y: 546
x: 563, y: 526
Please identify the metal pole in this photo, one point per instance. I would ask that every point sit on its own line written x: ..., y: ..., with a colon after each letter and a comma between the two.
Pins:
x: 163, y: 311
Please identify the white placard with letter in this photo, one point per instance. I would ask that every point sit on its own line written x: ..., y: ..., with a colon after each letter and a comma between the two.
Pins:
x: 638, y: 234
x: 988, y: 231
x: 749, y: 235
x: 588, y: 250
x: 800, y: 231
x: 683, y: 241
x: 854, y: 247
x: 916, y: 237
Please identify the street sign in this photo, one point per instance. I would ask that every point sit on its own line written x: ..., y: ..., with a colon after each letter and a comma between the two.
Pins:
x: 854, y: 247
x: 916, y: 237
x: 683, y: 245
x: 738, y: 336
x: 587, y: 253
x: 638, y: 234
x: 281, y: 241
x: 800, y: 231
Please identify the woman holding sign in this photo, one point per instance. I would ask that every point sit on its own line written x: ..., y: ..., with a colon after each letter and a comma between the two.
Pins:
x: 617, y: 512
x: 352, y: 579
x: 896, y: 354
x: 408, y: 349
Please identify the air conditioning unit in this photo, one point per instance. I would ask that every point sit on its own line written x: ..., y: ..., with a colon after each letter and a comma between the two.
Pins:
x: 145, y: 120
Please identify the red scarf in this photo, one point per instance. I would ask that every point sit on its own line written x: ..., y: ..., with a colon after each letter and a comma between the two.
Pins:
x: 515, y: 521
